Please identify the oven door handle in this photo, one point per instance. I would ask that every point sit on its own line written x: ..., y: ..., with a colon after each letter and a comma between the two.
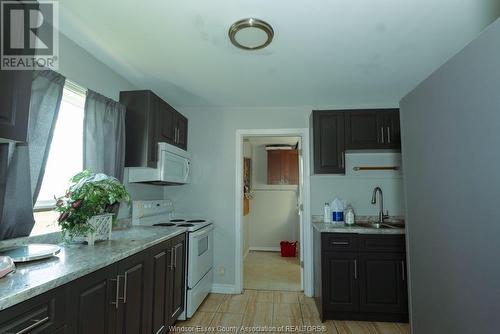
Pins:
x: 201, y: 232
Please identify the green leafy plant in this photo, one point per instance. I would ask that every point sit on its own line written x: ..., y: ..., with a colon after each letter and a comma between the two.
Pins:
x: 88, y: 195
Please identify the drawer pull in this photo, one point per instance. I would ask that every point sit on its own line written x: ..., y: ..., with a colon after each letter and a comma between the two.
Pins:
x: 34, y: 325
x: 340, y: 243
x: 355, y: 269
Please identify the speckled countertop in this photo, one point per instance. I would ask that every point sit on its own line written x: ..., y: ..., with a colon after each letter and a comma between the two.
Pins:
x: 77, y: 260
x: 342, y: 228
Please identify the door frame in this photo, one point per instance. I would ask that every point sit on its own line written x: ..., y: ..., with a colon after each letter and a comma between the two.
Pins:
x: 306, y: 231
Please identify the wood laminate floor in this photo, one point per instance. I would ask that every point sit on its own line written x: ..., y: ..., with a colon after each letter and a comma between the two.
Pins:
x: 258, y: 311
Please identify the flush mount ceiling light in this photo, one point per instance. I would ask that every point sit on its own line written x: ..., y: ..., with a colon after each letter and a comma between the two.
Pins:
x: 251, y: 34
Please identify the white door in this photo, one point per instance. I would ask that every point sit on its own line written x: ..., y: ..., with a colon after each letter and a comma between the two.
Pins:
x: 300, y: 208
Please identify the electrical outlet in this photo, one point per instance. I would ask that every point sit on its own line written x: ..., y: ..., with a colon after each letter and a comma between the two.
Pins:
x: 222, y: 271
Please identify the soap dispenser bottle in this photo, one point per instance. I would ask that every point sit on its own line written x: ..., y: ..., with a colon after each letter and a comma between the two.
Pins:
x: 349, y: 215
x: 326, y: 213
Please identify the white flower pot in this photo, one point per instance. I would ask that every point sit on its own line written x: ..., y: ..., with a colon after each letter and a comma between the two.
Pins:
x: 102, y: 225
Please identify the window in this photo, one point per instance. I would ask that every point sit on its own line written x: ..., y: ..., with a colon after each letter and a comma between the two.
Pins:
x: 65, y: 157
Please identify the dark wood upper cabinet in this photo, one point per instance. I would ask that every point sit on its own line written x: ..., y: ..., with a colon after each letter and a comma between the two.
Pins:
x: 328, y: 142
x: 166, y: 132
x: 150, y: 120
x: 15, y: 92
x: 181, y: 128
x: 283, y: 167
x: 362, y: 129
x: 334, y: 132
x: 391, y: 123
x: 372, y: 129
x: 141, y: 122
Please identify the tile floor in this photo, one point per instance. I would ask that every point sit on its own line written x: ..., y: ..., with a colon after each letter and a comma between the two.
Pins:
x: 269, y: 310
x: 270, y: 271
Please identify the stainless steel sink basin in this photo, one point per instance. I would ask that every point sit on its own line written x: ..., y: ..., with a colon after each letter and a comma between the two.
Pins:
x: 394, y: 223
x: 372, y: 225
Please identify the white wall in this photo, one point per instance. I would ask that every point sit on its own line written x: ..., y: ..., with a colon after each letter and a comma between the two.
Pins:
x: 356, y: 187
x: 79, y: 66
x: 212, y: 138
x: 274, y: 216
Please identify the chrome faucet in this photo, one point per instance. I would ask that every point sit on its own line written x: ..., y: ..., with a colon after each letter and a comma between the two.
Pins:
x: 381, y: 215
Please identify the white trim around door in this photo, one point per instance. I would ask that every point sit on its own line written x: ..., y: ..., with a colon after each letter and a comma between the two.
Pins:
x: 306, y: 231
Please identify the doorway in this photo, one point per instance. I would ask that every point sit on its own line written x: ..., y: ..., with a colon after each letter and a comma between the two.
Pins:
x: 273, y: 206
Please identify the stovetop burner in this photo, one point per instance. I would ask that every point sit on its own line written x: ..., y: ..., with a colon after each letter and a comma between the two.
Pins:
x: 164, y: 224
x: 177, y: 220
x: 196, y: 221
x: 185, y: 225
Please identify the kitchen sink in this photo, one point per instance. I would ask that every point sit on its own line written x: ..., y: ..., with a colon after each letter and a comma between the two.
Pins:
x: 372, y: 225
x: 386, y: 224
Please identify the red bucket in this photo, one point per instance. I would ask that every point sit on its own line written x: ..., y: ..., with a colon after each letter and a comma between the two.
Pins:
x: 288, y: 249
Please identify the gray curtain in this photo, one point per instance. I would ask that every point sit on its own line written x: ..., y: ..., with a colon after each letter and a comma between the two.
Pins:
x: 23, y: 165
x: 104, y: 135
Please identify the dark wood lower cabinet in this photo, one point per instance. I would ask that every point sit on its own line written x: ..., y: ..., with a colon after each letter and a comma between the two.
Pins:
x: 143, y: 293
x: 42, y: 314
x: 134, y: 308
x: 93, y: 303
x: 177, y: 278
x: 168, y: 283
x: 360, y: 277
x: 340, y: 272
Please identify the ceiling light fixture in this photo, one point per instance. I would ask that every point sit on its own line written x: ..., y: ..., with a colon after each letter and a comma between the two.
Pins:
x: 251, y: 34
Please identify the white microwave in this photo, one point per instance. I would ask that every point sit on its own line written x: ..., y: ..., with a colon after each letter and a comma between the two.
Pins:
x: 174, y: 167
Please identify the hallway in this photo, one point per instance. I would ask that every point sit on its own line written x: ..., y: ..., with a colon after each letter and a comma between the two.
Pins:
x: 270, y: 271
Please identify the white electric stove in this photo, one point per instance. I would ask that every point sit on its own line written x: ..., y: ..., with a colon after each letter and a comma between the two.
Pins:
x: 199, y: 255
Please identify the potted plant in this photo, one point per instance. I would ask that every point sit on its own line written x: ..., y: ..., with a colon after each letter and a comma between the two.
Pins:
x: 90, y: 204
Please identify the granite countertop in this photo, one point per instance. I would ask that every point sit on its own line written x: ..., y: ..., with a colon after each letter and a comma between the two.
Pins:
x: 343, y: 228
x: 77, y: 260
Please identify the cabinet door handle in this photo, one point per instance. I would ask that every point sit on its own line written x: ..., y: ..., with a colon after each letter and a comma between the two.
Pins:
x: 175, y: 254
x: 117, y: 292
x: 403, y: 270
x: 342, y: 160
x: 37, y: 323
x: 382, y: 133
x: 340, y: 243
x: 172, y: 263
x: 388, y: 135
x: 125, y: 289
x: 355, y: 269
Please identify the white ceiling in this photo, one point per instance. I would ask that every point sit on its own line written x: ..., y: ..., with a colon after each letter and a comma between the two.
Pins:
x: 325, y: 52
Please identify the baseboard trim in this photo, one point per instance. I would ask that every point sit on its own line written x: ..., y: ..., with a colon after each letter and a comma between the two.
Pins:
x: 225, y: 288
x: 265, y: 249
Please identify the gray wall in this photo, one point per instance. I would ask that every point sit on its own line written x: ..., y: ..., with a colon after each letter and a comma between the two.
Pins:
x: 451, y: 159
